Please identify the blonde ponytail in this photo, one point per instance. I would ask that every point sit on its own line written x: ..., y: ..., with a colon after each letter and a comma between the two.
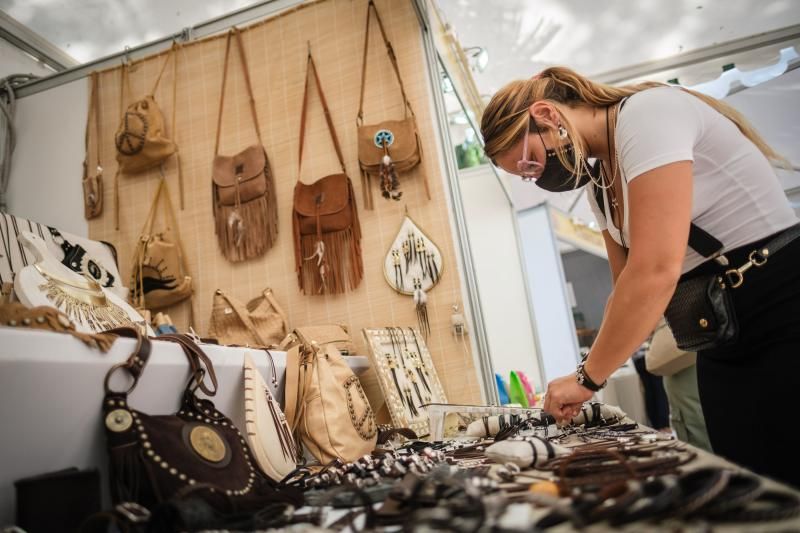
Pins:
x: 505, y: 119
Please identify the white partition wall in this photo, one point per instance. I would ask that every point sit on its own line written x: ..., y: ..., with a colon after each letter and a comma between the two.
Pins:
x: 555, y: 327
x: 501, y: 280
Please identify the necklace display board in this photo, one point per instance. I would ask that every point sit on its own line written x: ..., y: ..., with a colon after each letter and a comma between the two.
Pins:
x: 406, y: 375
x: 87, y: 304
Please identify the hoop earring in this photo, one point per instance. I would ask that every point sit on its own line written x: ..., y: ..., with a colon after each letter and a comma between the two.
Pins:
x: 562, y: 132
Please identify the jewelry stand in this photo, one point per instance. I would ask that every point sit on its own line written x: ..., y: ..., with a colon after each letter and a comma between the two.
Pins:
x: 406, y: 375
x: 31, y: 282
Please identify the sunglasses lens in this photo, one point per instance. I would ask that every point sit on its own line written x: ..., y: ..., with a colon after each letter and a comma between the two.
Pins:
x: 529, y: 169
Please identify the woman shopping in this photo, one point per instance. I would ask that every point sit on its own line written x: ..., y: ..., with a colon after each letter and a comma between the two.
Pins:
x: 697, y: 229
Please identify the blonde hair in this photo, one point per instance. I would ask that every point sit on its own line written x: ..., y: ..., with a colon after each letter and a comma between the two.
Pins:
x: 506, y: 119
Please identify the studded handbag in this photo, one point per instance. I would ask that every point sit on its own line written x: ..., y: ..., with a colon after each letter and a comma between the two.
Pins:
x: 198, y: 450
x: 325, y: 404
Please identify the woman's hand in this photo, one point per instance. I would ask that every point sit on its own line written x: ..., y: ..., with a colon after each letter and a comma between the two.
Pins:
x: 564, y: 398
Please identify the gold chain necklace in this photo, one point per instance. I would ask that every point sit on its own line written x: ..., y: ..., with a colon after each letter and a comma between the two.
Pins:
x: 85, y: 303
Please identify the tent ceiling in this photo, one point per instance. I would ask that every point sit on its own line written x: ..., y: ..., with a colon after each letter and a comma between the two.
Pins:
x: 90, y: 29
x: 524, y: 36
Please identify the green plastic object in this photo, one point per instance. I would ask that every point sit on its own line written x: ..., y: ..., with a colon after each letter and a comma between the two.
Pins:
x: 516, y: 392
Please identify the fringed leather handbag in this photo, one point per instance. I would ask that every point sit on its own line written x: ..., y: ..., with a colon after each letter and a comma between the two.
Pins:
x: 327, y: 234
x: 390, y: 147
x: 141, y: 139
x: 198, y: 450
x: 261, y: 322
x: 160, y: 276
x: 93, y: 180
x: 325, y: 404
x: 245, y: 208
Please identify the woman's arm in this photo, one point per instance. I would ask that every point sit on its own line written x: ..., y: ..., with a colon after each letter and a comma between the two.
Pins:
x: 616, y: 257
x: 660, y: 206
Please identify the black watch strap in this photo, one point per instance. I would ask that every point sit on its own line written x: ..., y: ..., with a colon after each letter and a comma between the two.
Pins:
x: 583, y: 379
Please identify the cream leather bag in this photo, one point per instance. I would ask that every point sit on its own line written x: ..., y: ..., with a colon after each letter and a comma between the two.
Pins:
x: 325, y: 405
x: 268, y: 433
x: 664, y: 358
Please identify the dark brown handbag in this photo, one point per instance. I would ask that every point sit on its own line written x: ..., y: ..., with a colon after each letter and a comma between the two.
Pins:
x: 93, y: 181
x: 389, y: 147
x: 327, y: 234
x: 245, y: 207
x: 154, y: 458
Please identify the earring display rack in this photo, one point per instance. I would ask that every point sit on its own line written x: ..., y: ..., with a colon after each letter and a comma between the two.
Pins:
x: 406, y: 375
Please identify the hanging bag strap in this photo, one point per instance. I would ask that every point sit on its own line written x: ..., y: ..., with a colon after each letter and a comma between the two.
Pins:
x: 276, y: 306
x: 245, y: 70
x: 124, y: 80
x: 312, y: 69
x: 243, y: 317
x: 94, y: 110
x: 173, y: 54
x: 292, y: 394
x: 392, y: 57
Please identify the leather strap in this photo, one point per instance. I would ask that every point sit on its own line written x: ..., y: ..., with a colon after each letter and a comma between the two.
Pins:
x: 276, y: 306
x: 390, y: 52
x: 234, y: 31
x: 135, y: 363
x: 94, y: 110
x: 312, y: 69
x: 291, y: 398
x: 198, y: 360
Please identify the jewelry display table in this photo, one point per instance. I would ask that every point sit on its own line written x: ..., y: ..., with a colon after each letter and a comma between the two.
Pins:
x: 51, y: 391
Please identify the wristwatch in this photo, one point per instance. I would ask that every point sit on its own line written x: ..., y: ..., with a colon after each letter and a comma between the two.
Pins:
x: 583, y: 378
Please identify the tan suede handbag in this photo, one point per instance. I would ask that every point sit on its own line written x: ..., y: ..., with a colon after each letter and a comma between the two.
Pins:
x: 327, y: 233
x: 389, y: 147
x: 324, y: 403
x: 142, y: 141
x: 243, y: 189
x: 260, y: 323
x: 93, y: 180
x: 160, y: 275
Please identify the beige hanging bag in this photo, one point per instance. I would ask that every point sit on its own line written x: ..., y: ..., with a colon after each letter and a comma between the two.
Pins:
x: 160, y: 276
x: 260, y: 323
x: 141, y: 139
x: 325, y: 405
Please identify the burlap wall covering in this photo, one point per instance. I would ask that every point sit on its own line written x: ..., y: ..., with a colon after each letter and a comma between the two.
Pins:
x: 276, y: 51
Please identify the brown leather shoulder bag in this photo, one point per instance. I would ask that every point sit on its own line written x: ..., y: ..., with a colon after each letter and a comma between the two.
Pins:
x: 327, y: 234
x: 243, y: 189
x: 391, y: 146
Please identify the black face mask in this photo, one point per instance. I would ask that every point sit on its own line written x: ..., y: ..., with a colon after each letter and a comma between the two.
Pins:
x: 557, y: 178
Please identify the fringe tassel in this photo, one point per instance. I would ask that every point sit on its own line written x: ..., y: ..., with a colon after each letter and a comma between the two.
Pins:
x: 125, y: 473
x: 258, y: 224
x: 344, y: 267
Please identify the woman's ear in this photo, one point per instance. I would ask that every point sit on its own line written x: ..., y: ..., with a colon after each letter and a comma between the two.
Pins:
x: 545, y: 115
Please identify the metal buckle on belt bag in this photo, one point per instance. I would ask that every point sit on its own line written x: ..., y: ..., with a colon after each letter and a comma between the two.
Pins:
x: 756, y: 258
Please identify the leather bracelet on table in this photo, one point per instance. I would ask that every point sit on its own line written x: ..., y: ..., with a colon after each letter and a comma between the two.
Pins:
x: 584, y: 380
x: 769, y: 505
x: 699, y: 487
x: 741, y: 489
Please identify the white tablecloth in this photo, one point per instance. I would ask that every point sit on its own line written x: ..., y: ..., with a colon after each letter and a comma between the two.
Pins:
x: 51, y: 391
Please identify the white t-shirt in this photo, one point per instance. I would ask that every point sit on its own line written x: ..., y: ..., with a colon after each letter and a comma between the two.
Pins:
x: 736, y: 196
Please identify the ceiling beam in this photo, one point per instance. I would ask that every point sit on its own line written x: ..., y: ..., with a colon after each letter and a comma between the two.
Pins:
x: 34, y: 44
x: 736, y: 46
